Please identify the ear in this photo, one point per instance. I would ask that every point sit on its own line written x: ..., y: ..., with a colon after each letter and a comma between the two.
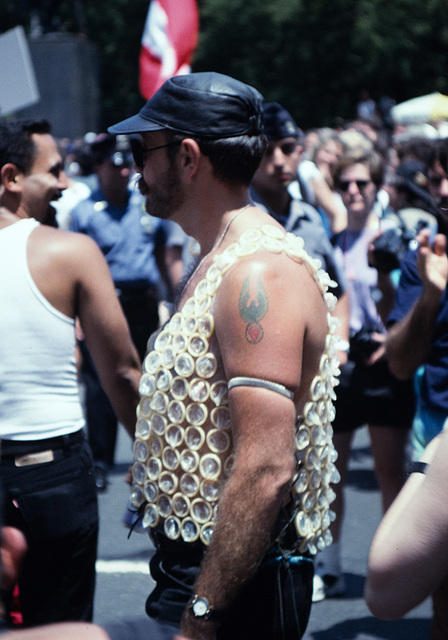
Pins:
x: 11, y: 177
x: 189, y: 159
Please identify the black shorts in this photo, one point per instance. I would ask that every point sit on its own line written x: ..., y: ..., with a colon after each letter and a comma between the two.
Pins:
x: 372, y: 395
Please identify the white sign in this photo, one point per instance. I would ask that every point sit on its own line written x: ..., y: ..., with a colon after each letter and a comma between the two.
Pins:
x: 18, y: 86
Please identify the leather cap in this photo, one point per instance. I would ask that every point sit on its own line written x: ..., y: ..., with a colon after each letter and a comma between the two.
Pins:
x: 206, y: 104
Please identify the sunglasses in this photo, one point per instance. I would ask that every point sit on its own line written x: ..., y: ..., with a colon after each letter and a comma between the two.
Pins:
x: 139, y: 151
x: 343, y: 185
x: 435, y: 180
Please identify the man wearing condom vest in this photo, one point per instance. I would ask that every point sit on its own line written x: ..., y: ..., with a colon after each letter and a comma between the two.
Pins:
x: 233, y: 450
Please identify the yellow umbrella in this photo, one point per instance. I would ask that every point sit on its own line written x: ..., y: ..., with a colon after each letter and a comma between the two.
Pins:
x: 429, y: 108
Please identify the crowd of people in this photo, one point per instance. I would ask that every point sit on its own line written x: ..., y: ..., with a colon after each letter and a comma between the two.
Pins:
x: 242, y: 296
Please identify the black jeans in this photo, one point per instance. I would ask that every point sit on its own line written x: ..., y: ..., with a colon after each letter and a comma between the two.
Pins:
x: 274, y: 605
x: 55, y: 505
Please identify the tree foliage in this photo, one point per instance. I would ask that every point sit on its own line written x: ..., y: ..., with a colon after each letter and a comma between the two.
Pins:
x: 313, y: 56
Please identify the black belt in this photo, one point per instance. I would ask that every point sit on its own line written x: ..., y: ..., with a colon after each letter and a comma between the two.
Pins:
x: 12, y: 448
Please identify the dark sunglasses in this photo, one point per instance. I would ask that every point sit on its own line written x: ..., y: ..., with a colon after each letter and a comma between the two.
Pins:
x: 139, y: 151
x: 343, y: 185
x: 435, y: 180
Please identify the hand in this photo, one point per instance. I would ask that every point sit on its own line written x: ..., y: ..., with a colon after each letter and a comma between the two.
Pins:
x: 379, y: 353
x: 128, y: 476
x: 432, y: 262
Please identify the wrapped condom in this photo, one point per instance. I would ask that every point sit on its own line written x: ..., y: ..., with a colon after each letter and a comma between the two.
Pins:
x: 183, y: 445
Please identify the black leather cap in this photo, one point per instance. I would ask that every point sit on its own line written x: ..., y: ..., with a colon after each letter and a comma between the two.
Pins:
x: 205, y: 104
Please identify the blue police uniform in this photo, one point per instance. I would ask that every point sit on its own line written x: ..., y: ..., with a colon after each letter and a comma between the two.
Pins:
x: 130, y: 240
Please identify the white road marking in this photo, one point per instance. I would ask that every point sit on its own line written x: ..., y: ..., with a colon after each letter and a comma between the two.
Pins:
x: 122, y: 566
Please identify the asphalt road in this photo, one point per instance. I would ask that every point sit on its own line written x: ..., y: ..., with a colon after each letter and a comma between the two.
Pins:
x: 124, y: 582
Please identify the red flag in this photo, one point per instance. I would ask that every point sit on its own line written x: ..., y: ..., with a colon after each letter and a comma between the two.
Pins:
x: 168, y: 41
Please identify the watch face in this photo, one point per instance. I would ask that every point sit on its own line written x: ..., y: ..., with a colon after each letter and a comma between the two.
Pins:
x: 200, y: 607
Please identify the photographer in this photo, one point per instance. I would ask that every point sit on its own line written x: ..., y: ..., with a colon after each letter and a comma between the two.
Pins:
x: 368, y: 392
x: 419, y: 335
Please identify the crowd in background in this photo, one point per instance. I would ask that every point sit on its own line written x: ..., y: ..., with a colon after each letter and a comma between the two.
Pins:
x: 368, y: 184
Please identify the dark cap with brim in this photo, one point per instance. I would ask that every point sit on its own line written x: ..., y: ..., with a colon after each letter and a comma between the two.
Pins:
x: 279, y: 123
x: 206, y: 104
x: 410, y: 175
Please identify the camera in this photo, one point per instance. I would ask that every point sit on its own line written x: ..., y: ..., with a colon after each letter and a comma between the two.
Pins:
x: 391, y: 246
x: 362, y: 345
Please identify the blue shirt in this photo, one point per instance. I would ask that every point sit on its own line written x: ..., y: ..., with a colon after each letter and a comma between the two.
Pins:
x: 434, y: 384
x: 127, y: 237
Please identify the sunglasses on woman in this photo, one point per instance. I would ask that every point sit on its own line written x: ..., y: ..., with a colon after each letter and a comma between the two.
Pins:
x: 343, y: 185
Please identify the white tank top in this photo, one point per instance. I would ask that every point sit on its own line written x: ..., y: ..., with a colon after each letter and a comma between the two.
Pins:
x: 39, y: 395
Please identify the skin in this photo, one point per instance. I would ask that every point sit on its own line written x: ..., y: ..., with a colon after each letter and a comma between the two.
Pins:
x: 264, y: 459
x: 409, y: 554
x: 325, y: 158
x: 417, y: 326
x: 71, y: 273
x: 277, y: 170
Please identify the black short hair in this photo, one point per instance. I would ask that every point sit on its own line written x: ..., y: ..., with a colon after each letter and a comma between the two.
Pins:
x: 16, y: 143
x: 234, y: 160
x: 439, y: 153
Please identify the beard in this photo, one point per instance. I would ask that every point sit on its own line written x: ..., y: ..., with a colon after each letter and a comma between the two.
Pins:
x: 165, y: 198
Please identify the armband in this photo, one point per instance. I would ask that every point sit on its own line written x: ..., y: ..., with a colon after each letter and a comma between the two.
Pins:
x: 417, y: 467
x: 244, y: 381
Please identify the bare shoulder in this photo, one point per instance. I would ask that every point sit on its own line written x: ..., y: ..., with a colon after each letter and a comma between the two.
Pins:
x: 56, y: 240
x: 63, y: 249
x: 277, y: 276
x: 269, y: 315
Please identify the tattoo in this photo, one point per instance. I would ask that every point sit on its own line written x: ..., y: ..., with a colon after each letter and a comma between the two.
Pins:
x: 253, y: 309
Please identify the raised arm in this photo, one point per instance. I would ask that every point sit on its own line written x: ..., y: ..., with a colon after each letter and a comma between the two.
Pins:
x: 409, y: 553
x: 409, y: 341
x: 262, y: 316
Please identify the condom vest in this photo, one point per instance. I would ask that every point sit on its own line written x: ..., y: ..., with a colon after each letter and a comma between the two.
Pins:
x: 183, y: 446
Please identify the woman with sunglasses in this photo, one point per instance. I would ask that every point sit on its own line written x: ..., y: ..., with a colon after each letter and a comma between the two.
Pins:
x: 368, y: 392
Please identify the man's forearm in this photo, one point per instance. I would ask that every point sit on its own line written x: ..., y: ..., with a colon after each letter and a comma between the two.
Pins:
x: 247, y: 514
x: 124, y: 397
x: 409, y: 341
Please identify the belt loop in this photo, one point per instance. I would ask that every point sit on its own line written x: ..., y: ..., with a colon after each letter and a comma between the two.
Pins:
x: 66, y: 445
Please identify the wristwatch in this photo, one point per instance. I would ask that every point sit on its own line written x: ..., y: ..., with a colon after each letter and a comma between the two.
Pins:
x: 201, y: 609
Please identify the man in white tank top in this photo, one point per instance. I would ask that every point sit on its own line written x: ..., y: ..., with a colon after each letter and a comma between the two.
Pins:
x: 48, y: 278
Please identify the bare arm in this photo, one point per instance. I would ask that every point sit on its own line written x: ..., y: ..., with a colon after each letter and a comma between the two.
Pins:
x: 262, y: 422
x: 409, y: 553
x: 342, y: 312
x: 326, y: 199
x: 107, y: 336
x: 409, y: 341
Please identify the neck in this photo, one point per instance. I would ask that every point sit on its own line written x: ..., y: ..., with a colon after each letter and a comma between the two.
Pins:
x: 8, y: 217
x: 205, y: 216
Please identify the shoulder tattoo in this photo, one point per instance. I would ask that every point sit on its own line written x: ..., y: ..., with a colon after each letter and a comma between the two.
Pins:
x: 252, y: 309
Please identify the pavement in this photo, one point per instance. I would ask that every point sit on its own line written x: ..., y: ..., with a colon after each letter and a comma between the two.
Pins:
x: 123, y: 581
